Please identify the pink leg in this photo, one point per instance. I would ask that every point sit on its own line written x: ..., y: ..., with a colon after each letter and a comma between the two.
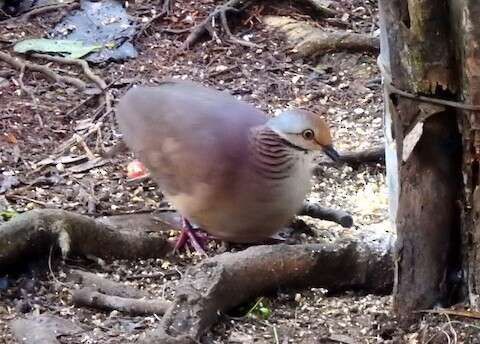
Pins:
x: 196, y: 238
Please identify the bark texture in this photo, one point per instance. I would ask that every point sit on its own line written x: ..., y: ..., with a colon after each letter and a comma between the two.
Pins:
x: 220, y: 283
x: 33, y: 233
x: 423, y: 157
x: 464, y: 17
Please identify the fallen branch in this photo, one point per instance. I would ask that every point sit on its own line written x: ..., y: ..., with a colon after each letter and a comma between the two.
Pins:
x: 105, y: 286
x: 94, y: 299
x: 34, y: 232
x: 318, y: 212
x: 220, y: 283
x: 309, y: 40
x: 219, y: 12
x: 48, y: 8
x: 20, y: 64
x: 82, y: 63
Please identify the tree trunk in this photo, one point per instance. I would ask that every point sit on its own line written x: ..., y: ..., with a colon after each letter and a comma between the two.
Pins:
x: 423, y: 150
x: 465, y: 19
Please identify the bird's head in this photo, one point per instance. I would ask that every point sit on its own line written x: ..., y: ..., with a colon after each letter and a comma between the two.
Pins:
x: 305, y: 130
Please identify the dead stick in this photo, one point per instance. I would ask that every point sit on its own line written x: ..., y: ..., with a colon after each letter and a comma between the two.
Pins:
x: 94, y: 299
x: 318, y: 212
x: 47, y: 8
x: 19, y: 63
x: 82, y: 63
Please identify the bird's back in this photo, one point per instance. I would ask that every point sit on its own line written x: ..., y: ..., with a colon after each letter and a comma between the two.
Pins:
x: 193, y: 139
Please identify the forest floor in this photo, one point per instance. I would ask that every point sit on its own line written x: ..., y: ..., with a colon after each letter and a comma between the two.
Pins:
x: 37, y: 149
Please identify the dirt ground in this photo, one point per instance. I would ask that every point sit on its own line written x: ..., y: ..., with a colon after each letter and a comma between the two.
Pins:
x: 39, y: 140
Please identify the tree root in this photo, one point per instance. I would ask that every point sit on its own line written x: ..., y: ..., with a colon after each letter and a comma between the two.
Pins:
x: 312, y: 41
x: 220, y: 283
x: 33, y: 233
x: 21, y: 64
x: 318, y: 212
x: 102, y: 285
x: 320, y: 8
x: 91, y: 298
x: 220, y: 12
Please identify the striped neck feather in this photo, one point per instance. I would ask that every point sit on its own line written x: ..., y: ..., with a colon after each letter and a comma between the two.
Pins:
x: 272, y: 156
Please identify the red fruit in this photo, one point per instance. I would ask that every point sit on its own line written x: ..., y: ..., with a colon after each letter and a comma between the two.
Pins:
x: 136, y: 169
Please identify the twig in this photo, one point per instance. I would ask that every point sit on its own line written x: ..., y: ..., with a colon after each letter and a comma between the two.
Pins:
x: 43, y: 9
x: 153, y: 275
x: 82, y: 63
x: 232, y: 38
x: 450, y: 103
x: 23, y: 198
x: 90, y: 298
x: 83, y: 102
x: 88, y: 152
x: 19, y: 63
x: 22, y: 85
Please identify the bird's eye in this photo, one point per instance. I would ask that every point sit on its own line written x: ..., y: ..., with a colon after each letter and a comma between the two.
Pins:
x: 308, y: 134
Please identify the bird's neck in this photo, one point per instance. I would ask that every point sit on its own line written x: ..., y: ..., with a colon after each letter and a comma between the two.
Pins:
x: 273, y: 156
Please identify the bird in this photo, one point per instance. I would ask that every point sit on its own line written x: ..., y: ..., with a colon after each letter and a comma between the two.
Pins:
x: 227, y: 167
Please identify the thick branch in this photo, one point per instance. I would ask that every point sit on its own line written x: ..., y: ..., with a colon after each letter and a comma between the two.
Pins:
x: 34, y: 232
x: 228, y: 280
x: 311, y: 41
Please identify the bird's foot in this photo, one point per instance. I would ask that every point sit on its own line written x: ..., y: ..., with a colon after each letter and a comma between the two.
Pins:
x: 195, y: 237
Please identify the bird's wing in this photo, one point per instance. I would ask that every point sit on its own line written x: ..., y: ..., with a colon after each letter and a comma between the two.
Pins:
x: 186, y: 134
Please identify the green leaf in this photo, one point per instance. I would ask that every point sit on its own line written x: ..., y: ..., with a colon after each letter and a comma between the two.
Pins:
x: 259, y: 310
x: 69, y: 48
x: 7, y: 215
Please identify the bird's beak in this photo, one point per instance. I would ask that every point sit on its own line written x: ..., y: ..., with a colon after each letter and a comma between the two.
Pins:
x: 331, y: 152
